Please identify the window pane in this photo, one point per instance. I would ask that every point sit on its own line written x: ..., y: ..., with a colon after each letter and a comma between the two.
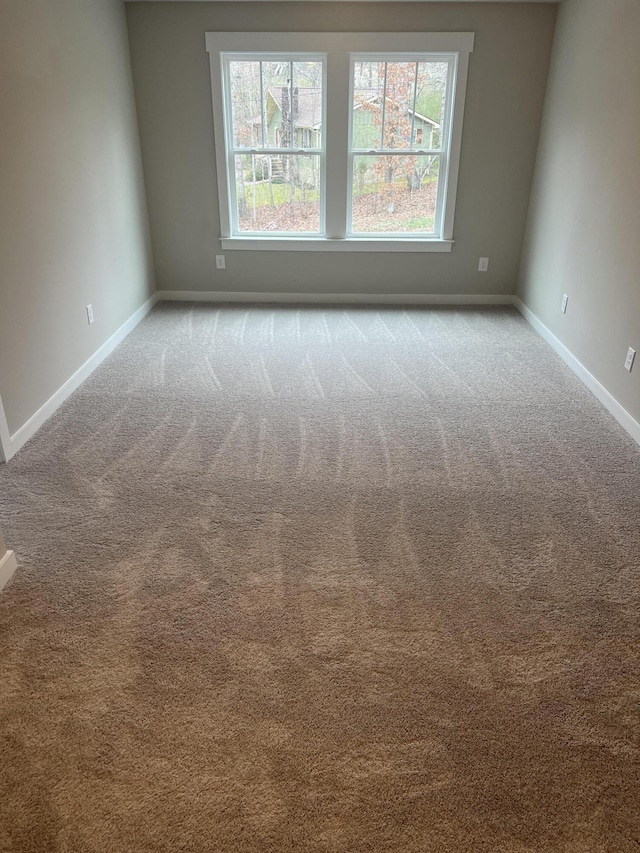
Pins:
x: 401, y: 77
x: 430, y: 99
x: 278, y: 192
x: 368, y: 92
x: 245, y: 104
x: 394, y: 194
x: 293, y: 104
x: 291, y: 108
x: 307, y: 101
x: 383, y: 98
x: 383, y: 95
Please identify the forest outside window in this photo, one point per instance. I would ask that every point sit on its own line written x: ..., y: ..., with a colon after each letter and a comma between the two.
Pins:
x: 341, y: 145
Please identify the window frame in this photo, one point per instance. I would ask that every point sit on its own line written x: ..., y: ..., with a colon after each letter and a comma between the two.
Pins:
x: 338, y: 51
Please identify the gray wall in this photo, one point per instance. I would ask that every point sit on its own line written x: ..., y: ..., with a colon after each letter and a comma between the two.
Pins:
x: 583, y: 235
x: 505, y: 96
x: 73, y: 222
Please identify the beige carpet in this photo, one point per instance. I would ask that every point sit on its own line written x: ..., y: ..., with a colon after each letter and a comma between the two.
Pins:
x: 323, y: 581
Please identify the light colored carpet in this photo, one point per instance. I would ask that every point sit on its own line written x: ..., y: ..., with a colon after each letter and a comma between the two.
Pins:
x: 323, y: 580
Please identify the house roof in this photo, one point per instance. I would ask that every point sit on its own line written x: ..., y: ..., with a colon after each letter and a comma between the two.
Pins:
x: 370, y: 95
x: 310, y: 105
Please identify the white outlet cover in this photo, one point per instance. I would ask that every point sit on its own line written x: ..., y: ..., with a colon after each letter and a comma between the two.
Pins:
x: 631, y: 357
x: 220, y: 262
x: 483, y: 266
x: 565, y: 302
x: 90, y: 316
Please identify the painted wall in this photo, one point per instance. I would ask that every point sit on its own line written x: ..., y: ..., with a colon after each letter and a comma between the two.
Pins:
x: 73, y: 221
x: 583, y: 234
x: 505, y: 96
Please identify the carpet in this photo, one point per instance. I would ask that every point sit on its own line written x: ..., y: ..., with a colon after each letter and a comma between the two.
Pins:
x: 323, y: 580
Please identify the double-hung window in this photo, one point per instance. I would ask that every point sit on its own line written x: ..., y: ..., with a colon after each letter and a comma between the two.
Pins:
x: 338, y: 142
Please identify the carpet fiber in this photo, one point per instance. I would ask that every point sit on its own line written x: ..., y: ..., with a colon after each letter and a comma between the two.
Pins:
x: 324, y: 581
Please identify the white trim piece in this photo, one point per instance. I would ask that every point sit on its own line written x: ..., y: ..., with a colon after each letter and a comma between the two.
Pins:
x: 327, y: 244
x: 8, y: 565
x: 416, y: 42
x: 217, y: 100
x: 335, y: 298
x: 27, y: 430
x: 626, y: 421
x: 336, y: 132
x: 5, y: 437
x: 458, y: 93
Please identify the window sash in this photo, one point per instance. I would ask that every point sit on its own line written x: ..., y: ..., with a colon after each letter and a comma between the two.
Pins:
x: 400, y: 235
x: 233, y: 150
x: 233, y: 201
x: 450, y: 59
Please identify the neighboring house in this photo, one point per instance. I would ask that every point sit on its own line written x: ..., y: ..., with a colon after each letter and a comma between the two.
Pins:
x: 367, y: 121
x: 307, y: 120
x: 307, y: 112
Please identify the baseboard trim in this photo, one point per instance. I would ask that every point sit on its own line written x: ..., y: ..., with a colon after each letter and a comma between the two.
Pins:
x: 8, y: 565
x: 626, y: 421
x: 27, y: 430
x: 334, y: 298
x: 11, y: 444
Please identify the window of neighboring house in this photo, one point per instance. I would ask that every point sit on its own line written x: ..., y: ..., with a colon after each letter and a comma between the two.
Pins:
x: 337, y: 148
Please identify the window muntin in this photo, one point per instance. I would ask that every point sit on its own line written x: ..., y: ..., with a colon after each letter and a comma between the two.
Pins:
x: 274, y: 120
x: 400, y: 138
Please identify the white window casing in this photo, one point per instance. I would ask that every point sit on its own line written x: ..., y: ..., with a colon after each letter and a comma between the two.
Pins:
x: 338, y: 52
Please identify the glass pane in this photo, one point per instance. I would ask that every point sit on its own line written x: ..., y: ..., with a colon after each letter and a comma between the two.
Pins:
x: 394, y: 105
x: 293, y: 104
x: 430, y: 98
x: 401, y: 77
x: 377, y: 106
x: 307, y: 102
x: 394, y: 194
x: 245, y: 104
x: 368, y: 92
x: 278, y: 192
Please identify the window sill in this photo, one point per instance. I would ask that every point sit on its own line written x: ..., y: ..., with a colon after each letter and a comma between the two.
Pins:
x: 326, y: 244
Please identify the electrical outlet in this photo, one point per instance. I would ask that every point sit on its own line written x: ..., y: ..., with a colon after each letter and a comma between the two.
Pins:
x: 631, y: 356
x: 90, y: 317
x: 565, y: 301
x: 483, y: 266
x: 220, y: 263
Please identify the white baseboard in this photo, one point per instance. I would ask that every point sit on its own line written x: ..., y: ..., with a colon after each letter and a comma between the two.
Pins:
x: 9, y: 445
x: 8, y: 565
x: 335, y: 298
x: 610, y: 403
x: 27, y: 430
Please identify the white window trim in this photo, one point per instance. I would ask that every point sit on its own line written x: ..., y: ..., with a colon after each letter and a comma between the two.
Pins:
x: 338, y: 48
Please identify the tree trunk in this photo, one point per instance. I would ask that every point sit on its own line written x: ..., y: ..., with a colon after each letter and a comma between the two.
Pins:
x: 242, y: 199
